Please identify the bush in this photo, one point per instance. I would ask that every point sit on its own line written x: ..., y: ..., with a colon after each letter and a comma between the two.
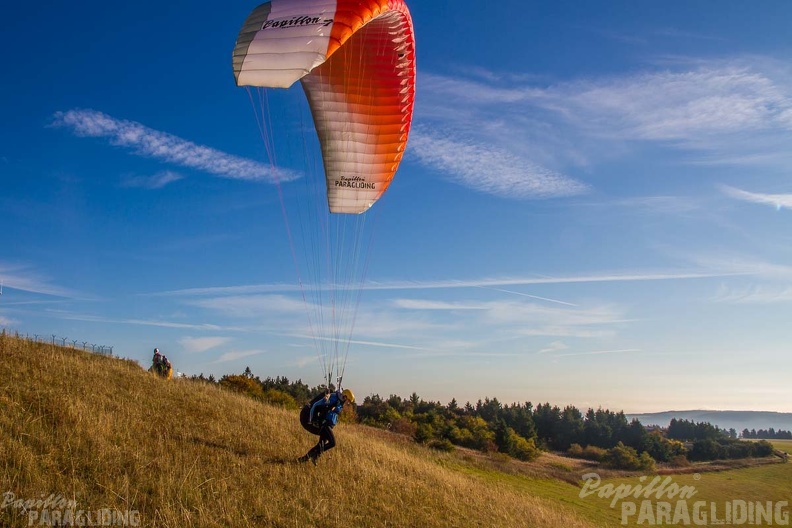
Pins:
x: 244, y: 385
x: 404, y: 426
x: 624, y: 457
x: 523, y: 449
x: 646, y: 462
x: 590, y: 452
x: 442, y: 444
x: 277, y: 397
x: 707, y: 450
x: 762, y: 448
x: 423, y: 433
x: 662, y: 449
x: 595, y: 453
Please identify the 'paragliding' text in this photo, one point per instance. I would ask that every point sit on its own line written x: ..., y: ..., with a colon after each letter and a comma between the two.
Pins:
x: 356, y: 182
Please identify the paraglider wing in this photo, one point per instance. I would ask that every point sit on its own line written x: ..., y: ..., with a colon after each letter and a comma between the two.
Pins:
x: 356, y: 62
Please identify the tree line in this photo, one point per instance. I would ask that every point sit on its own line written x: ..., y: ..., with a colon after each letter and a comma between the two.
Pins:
x: 519, y: 430
x: 769, y: 434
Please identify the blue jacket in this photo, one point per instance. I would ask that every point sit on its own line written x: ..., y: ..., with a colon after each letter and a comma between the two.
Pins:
x: 334, y: 407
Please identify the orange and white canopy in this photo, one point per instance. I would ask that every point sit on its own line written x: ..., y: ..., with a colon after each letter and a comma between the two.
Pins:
x: 356, y: 62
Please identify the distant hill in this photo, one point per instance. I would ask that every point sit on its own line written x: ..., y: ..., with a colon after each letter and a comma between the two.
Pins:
x: 738, y: 420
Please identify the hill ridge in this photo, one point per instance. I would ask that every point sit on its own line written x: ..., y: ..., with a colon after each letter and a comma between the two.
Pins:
x: 725, y: 419
x: 105, y: 434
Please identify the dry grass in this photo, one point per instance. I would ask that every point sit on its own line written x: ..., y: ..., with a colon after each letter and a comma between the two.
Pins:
x: 106, y: 434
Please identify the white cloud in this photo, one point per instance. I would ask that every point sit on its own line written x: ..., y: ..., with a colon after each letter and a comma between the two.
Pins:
x: 754, y: 294
x: 219, y: 291
x: 140, y: 322
x: 250, y: 306
x: 776, y: 200
x: 734, y: 265
x: 726, y: 269
x: 6, y: 322
x: 600, y: 352
x: 22, y: 277
x: 532, y: 315
x: 667, y: 205
x: 568, y: 279
x: 421, y: 304
x: 673, y: 105
x: 537, y: 297
x: 156, y: 181
x: 555, y: 346
x: 491, y: 169
x: 402, y: 325
x: 232, y: 356
x: 423, y: 320
x: 202, y: 344
x: 522, y: 139
x: 379, y: 344
x: 152, y: 143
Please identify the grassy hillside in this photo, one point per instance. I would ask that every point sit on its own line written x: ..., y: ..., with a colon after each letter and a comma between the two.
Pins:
x: 107, y: 435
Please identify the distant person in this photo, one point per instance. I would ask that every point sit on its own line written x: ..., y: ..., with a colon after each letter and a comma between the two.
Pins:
x: 324, y: 415
x: 160, y: 365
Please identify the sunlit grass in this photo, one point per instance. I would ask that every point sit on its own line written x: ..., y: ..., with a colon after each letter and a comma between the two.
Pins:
x: 106, y: 434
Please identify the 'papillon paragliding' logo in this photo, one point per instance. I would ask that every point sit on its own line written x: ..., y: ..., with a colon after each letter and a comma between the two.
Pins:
x: 298, y: 21
x: 355, y: 182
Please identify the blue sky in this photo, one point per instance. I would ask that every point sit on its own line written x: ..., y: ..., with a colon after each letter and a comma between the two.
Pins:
x: 593, y: 208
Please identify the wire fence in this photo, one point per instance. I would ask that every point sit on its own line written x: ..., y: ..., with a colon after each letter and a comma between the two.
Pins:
x: 53, y: 339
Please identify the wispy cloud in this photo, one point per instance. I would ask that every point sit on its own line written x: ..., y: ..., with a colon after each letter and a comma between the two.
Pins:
x: 7, y: 322
x: 246, y: 289
x: 776, y: 200
x: 555, y: 346
x: 747, y: 266
x: 537, y: 297
x: 251, y: 306
x: 537, y: 319
x: 156, y: 181
x: 196, y: 345
x: 22, y: 277
x: 677, y: 34
x: 141, y: 322
x: 754, y: 294
x: 494, y: 282
x: 379, y: 344
x: 569, y: 279
x: 674, y: 105
x: 145, y: 141
x: 422, y: 304
x: 419, y: 323
x: 523, y: 139
x: 600, y: 352
x: 490, y: 169
x: 233, y: 356
x: 528, y: 318
x: 666, y: 205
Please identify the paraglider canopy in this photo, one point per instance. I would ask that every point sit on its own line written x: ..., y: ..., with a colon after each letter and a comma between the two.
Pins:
x: 356, y: 62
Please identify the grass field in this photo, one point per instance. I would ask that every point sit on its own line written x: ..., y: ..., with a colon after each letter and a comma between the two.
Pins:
x: 103, y: 436
x: 782, y: 445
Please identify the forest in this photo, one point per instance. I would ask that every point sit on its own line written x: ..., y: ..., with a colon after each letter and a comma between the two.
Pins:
x: 521, y: 430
